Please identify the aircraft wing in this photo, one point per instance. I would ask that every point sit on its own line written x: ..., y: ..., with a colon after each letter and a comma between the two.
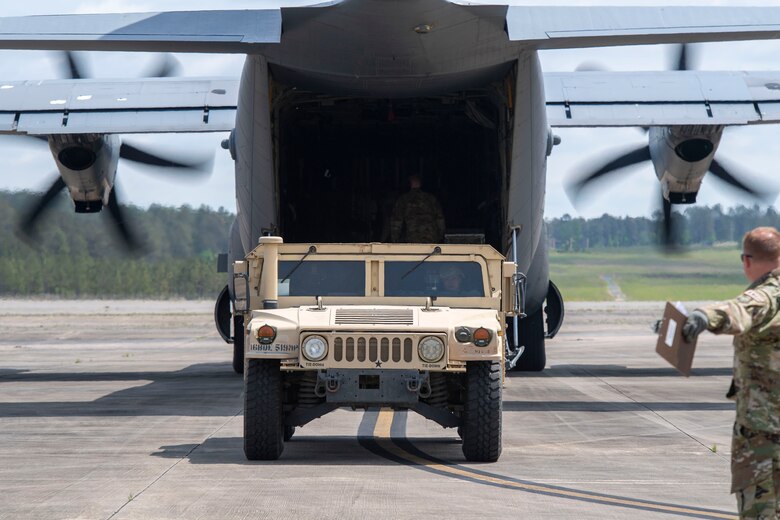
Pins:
x: 560, y: 27
x: 118, y: 106
x: 590, y: 99
x: 243, y: 31
x: 175, y: 31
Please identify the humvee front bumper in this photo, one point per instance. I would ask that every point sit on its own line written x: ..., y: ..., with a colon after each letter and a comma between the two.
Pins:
x: 365, y: 388
x: 373, y: 386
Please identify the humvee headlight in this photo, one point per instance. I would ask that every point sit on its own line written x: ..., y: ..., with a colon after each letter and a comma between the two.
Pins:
x: 315, y: 348
x: 482, y: 337
x: 463, y: 335
x: 431, y: 349
x: 266, y: 334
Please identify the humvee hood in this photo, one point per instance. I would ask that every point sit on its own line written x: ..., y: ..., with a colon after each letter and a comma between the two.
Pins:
x: 371, y: 317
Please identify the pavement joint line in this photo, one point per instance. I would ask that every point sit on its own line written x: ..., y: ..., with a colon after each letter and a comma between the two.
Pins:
x: 389, y: 441
x: 186, y: 455
x: 664, y: 419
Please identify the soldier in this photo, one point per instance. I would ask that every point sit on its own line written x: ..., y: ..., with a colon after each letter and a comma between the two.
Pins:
x: 753, y: 319
x: 417, y: 216
x: 452, y: 279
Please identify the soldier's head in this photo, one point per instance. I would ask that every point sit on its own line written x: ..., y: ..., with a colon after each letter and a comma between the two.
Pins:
x: 415, y: 182
x: 760, y: 252
x: 451, y: 278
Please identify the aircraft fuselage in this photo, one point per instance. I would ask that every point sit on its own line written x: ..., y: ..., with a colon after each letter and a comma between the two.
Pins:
x: 372, y: 52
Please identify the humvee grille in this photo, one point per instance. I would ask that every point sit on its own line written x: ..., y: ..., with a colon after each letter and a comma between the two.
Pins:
x: 387, y: 349
x: 374, y: 316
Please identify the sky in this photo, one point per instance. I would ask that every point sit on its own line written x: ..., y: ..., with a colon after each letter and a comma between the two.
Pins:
x: 28, y: 164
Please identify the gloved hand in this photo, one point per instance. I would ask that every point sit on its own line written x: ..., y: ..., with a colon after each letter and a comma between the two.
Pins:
x: 694, y: 325
x: 656, y: 326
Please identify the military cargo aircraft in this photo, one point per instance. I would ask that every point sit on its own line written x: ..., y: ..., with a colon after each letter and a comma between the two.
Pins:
x: 340, y: 101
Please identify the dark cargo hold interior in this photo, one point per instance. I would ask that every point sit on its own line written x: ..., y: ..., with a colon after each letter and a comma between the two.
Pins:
x: 343, y: 162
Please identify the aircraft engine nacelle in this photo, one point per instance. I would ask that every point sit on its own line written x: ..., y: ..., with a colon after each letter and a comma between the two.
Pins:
x: 682, y: 155
x: 87, y: 164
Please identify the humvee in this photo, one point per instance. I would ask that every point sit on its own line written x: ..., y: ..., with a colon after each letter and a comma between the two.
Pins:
x: 407, y: 326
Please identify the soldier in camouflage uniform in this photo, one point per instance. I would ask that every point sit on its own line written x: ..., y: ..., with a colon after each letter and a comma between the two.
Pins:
x: 417, y: 216
x: 753, y: 319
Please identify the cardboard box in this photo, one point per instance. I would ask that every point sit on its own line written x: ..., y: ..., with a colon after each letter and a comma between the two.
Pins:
x: 671, y: 346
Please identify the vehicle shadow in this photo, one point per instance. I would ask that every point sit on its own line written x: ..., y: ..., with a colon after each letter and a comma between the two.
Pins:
x: 204, y: 389
x: 618, y: 371
x: 301, y: 450
x: 614, y: 406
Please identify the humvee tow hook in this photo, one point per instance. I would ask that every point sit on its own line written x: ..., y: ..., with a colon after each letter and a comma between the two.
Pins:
x: 420, y: 385
x: 332, y: 383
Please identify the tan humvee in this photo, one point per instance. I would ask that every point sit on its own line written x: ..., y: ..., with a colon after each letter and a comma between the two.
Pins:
x: 406, y: 326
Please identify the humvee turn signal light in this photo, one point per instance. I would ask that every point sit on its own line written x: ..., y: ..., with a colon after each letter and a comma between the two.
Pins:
x: 482, y: 337
x: 266, y: 334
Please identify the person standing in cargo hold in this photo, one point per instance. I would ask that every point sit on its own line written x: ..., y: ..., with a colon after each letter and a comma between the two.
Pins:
x: 417, y: 216
x: 753, y: 319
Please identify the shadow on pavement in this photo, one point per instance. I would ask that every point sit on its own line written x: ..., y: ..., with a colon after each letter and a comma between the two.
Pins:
x: 301, y: 450
x: 618, y: 371
x: 607, y: 406
x: 205, y: 389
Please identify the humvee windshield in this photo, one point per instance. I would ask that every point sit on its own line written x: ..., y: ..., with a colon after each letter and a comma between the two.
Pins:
x: 450, y: 279
x: 402, y: 278
x: 322, y: 278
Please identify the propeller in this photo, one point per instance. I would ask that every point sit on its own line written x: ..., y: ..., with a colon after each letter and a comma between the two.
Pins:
x: 73, y: 68
x: 27, y: 227
x: 119, y: 218
x: 639, y: 155
x: 729, y: 176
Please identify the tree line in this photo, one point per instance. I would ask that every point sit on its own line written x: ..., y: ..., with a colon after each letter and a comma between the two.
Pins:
x: 81, y: 256
x: 696, y: 225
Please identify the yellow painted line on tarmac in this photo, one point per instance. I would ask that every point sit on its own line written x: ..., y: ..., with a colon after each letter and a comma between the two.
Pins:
x: 383, y: 437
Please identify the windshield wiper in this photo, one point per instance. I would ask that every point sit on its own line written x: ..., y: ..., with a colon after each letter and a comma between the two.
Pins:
x: 311, y: 250
x: 436, y: 251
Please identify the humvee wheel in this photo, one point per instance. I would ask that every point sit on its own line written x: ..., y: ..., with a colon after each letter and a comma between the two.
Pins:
x: 531, y: 332
x: 289, y: 431
x: 263, y: 426
x: 238, y: 344
x: 481, y: 419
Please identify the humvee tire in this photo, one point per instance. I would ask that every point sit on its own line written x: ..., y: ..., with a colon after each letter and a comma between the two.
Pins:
x: 531, y: 335
x: 238, y: 344
x: 481, y: 419
x: 289, y: 431
x: 263, y: 426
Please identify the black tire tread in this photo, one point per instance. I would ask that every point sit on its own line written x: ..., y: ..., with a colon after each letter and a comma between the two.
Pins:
x: 263, y: 426
x: 238, y: 344
x: 534, y: 357
x: 481, y: 423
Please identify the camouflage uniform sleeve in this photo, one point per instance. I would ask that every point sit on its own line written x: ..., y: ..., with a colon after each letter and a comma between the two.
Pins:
x: 750, y: 309
x: 397, y: 220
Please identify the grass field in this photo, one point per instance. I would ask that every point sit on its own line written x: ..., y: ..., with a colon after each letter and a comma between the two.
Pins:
x: 645, y: 274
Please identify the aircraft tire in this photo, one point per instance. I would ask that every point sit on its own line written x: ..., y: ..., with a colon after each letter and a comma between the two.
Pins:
x: 481, y: 420
x: 263, y: 425
x: 531, y: 334
x: 238, y: 344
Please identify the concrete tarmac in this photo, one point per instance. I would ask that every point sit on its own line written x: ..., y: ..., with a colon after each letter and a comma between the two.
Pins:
x: 130, y: 410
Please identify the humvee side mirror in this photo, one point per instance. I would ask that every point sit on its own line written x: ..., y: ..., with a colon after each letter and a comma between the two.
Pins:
x: 508, y: 270
x: 240, y: 286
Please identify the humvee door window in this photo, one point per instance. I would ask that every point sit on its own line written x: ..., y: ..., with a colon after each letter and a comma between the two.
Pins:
x: 446, y: 279
x: 323, y: 278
